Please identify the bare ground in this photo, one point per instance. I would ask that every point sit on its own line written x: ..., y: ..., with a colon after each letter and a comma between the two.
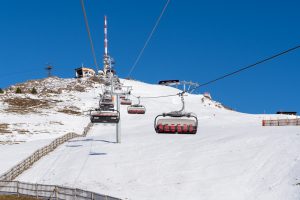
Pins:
x: 14, y: 197
x: 26, y: 105
x: 70, y: 110
x: 4, y: 128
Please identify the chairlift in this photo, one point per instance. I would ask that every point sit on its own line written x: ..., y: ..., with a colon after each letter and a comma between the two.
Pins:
x: 118, y: 86
x: 176, y: 122
x: 116, y: 79
x: 106, y: 102
x: 107, y: 98
x: 107, y: 83
x: 106, y: 105
x: 126, y: 101
x: 136, y: 108
x: 100, y: 116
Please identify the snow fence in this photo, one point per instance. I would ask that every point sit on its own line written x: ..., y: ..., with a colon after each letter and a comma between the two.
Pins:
x: 41, y: 191
x: 25, y: 164
x: 281, y: 122
x: 50, y: 192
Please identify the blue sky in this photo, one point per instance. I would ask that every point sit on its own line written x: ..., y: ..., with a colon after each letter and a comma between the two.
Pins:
x: 195, y: 40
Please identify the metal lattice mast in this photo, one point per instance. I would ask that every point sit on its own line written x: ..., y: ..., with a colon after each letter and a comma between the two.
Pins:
x: 106, y: 58
x: 105, y: 37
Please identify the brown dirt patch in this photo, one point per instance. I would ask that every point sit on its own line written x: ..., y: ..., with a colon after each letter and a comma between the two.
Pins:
x: 79, y: 88
x: 71, y: 110
x: 26, y: 105
x: 56, y: 123
x: 26, y: 102
x: 4, y: 128
x: 14, y: 197
x: 22, y: 131
x: 10, y: 143
x: 95, y: 79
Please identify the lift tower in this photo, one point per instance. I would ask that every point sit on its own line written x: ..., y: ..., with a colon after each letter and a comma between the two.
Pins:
x: 107, y: 60
x: 48, y: 69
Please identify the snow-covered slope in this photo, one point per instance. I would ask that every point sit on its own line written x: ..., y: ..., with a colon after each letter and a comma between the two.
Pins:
x: 29, y: 122
x: 231, y: 157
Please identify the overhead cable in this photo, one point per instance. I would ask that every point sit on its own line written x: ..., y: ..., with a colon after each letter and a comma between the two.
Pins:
x: 89, y: 35
x: 148, y: 39
x: 249, y: 66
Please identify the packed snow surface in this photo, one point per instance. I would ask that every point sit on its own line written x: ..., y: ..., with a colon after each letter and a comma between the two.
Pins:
x: 231, y: 157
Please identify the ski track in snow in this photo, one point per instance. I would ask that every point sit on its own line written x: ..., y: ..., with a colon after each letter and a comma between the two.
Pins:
x: 231, y: 157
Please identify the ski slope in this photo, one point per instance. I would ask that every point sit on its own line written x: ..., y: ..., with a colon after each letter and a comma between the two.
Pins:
x: 231, y: 157
x: 10, y: 155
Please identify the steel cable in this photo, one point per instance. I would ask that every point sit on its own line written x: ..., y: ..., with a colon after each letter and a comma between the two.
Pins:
x: 249, y: 66
x: 89, y: 34
x: 148, y: 39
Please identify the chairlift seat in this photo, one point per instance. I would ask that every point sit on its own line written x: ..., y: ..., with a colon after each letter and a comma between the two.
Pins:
x: 166, y: 128
x: 186, y: 122
x: 105, y: 116
x: 176, y: 125
x: 126, y: 102
x: 136, y: 109
x: 106, y: 106
x: 173, y: 128
x: 107, y: 99
x: 179, y: 128
x: 160, y: 128
x: 185, y: 128
x: 191, y: 128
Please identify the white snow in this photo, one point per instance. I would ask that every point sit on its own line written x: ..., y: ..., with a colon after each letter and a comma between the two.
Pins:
x: 231, y: 157
x: 10, y: 155
x: 31, y: 131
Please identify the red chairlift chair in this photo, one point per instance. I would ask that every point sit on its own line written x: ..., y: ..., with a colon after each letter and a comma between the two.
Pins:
x: 176, y: 122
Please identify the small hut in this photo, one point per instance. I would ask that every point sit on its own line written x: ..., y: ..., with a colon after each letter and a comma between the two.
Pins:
x: 286, y: 113
x: 82, y: 72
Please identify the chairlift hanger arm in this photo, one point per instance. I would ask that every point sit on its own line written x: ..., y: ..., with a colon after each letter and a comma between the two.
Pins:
x: 139, y: 101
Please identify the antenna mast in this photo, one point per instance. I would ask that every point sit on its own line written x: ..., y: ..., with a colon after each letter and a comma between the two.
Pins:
x: 108, y: 61
x: 105, y: 37
x: 106, y: 58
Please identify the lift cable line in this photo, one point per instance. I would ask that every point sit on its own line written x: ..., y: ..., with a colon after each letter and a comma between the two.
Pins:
x: 249, y: 66
x: 156, y: 97
x: 229, y: 74
x: 148, y: 39
x: 89, y: 34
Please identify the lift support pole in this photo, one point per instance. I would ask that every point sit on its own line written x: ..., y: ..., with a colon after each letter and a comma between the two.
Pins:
x: 118, y: 125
